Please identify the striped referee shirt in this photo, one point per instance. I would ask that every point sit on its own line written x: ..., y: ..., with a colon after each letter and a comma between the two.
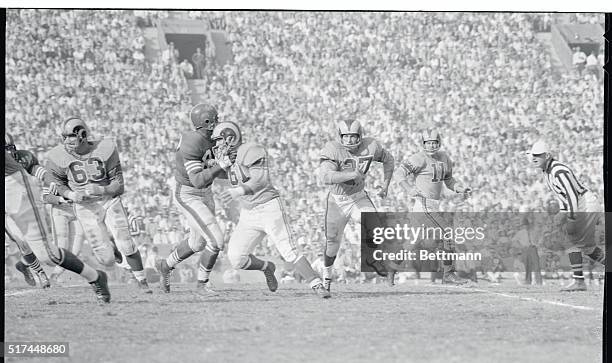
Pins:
x: 567, y: 188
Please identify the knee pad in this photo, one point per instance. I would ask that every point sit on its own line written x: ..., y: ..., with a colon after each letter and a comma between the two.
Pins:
x: 196, y: 242
x: 126, y: 246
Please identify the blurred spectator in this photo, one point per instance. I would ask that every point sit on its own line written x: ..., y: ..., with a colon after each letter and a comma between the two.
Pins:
x: 579, y: 60
x: 592, y: 65
x: 199, y: 61
x: 187, y: 69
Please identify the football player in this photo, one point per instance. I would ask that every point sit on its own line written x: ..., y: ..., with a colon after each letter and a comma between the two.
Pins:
x: 262, y: 212
x: 24, y: 212
x: 28, y: 260
x: 194, y: 173
x: 578, y: 208
x: 344, y: 165
x: 66, y: 228
x: 423, y: 176
x: 89, y: 173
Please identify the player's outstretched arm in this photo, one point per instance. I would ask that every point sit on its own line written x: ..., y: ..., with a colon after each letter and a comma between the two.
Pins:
x: 388, y: 168
x: 329, y: 175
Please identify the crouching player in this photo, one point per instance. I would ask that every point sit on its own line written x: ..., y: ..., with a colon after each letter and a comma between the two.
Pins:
x: 23, y: 210
x: 262, y: 212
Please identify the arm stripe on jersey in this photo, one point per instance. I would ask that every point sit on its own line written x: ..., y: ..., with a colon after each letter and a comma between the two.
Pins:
x: 194, y: 169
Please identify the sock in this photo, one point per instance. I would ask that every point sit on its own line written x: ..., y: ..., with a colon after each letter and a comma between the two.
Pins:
x: 32, y: 262
x: 575, y: 259
x: 117, y: 254
x: 135, y: 262
x: 139, y: 275
x: 208, y: 257
x: 72, y: 263
x: 255, y: 263
x: 180, y: 253
x: 598, y: 256
x: 303, y: 267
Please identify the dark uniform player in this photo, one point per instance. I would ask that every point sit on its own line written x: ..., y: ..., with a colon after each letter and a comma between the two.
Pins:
x: 23, y: 210
x: 578, y: 206
x: 194, y: 172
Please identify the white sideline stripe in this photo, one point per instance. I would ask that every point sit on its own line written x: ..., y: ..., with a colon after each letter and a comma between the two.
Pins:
x: 31, y: 291
x: 577, y: 307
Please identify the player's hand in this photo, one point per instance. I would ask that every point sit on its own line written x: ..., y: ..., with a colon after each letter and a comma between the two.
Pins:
x: 229, y: 195
x: 358, y: 176
x: 76, y: 197
x: 382, y: 192
x: 62, y: 200
x: 467, y: 192
x: 94, y: 189
x: 53, y: 188
x: 225, y: 158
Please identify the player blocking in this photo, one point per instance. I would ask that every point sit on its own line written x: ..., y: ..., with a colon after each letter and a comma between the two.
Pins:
x: 89, y: 174
x: 25, y: 214
x: 194, y: 173
x: 262, y: 213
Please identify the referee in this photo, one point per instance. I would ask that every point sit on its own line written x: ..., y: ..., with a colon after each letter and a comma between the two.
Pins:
x: 579, y: 207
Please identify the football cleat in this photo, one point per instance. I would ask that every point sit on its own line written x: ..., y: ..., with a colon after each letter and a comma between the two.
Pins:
x: 100, y: 287
x: 270, y: 278
x: 144, y: 286
x: 320, y: 290
x: 451, y: 278
x: 205, y: 287
x: 44, y: 280
x: 576, y: 285
x: 27, y: 274
x: 164, y: 270
x: 327, y: 284
x: 378, y: 267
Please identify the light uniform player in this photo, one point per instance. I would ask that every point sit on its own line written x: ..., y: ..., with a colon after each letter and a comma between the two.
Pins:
x: 423, y: 175
x: 578, y: 205
x: 194, y: 173
x: 89, y: 173
x: 344, y: 165
x: 67, y: 231
x: 262, y: 213
x: 25, y: 216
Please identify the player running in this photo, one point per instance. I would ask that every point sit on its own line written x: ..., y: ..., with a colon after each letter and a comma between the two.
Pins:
x: 262, y: 213
x: 344, y: 165
x: 89, y: 174
x: 25, y: 214
x: 423, y: 176
x: 194, y: 173
x: 578, y: 205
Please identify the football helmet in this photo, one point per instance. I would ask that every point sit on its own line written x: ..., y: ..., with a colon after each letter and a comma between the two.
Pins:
x: 204, y: 116
x: 9, y: 144
x: 74, y: 133
x: 432, y: 135
x: 226, y: 135
x: 350, y: 128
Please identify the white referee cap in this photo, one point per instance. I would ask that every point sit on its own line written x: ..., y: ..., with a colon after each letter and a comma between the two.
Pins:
x: 540, y: 147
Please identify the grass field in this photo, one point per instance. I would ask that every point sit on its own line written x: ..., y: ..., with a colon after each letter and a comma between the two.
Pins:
x: 361, y: 323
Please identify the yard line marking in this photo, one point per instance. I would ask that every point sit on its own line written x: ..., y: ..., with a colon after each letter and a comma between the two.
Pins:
x: 31, y: 291
x: 512, y: 296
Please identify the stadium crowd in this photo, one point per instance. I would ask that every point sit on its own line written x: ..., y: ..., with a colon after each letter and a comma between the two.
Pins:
x: 483, y: 80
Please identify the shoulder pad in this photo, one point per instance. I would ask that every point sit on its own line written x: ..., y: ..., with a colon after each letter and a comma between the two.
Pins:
x: 194, y: 144
x: 59, y: 156
x: 330, y: 151
x: 249, y: 153
x: 104, y: 148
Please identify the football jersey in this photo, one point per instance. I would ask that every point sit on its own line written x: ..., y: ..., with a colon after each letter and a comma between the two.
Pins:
x: 252, y: 155
x: 369, y: 150
x: 192, y: 155
x: 430, y: 171
x: 98, y: 166
x: 11, y: 166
